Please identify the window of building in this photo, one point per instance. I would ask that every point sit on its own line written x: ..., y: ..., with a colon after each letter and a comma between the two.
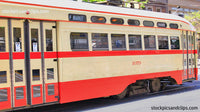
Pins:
x: 79, y: 41
x: 148, y: 23
x: 36, y: 74
x: 175, y: 42
x: 135, y: 42
x: 173, y: 25
x: 98, y: 19
x: 36, y: 91
x: 100, y: 41
x: 150, y: 9
x: 3, y: 77
x: 158, y: 9
x: 19, y: 93
x: 149, y: 42
x: 77, y: 17
x: 161, y: 24
x: 50, y: 73
x: 3, y: 95
x: 163, y: 42
x: 34, y: 40
x: 133, y: 22
x: 17, y: 39
x: 49, y: 40
x: 2, y: 39
x: 51, y: 89
x: 18, y: 76
x: 118, y: 41
x: 117, y: 21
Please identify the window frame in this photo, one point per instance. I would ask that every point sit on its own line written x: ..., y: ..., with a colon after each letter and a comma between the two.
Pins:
x: 84, y: 19
x: 161, y: 26
x: 148, y: 21
x: 171, y: 42
x: 158, y: 36
x: 118, y: 49
x: 133, y: 20
x: 98, y: 17
x: 117, y: 23
x: 100, y: 49
x: 85, y: 49
x: 154, y: 48
x: 173, y: 24
x: 129, y: 41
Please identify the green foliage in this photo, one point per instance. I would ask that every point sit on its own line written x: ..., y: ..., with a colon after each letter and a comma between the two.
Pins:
x: 142, y: 3
x: 194, y: 18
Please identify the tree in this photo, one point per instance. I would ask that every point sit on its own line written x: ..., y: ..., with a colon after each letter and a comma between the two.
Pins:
x: 142, y: 3
x: 194, y: 18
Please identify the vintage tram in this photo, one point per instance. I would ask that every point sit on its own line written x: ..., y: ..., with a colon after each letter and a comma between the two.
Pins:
x: 64, y: 51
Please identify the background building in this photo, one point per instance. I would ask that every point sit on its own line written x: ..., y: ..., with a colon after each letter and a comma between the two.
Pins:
x: 182, y: 7
x: 157, y: 6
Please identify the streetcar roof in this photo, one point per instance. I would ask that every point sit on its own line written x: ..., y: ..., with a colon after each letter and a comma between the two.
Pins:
x: 102, y: 8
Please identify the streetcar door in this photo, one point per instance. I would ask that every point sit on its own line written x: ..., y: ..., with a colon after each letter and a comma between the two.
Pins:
x: 50, y: 62
x: 185, y: 55
x: 43, y: 62
x: 5, y: 80
x: 191, y: 63
x: 188, y: 56
x: 17, y: 61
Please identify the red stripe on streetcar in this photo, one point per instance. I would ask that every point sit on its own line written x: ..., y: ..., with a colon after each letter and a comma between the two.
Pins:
x: 35, y: 55
x: 70, y: 54
x: 94, y: 88
x: 50, y: 55
x: 4, y: 55
x: 18, y: 55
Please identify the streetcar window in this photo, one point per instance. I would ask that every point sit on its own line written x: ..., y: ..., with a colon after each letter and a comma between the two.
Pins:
x: 100, y: 41
x: 17, y: 39
x: 118, y: 42
x: 3, y: 77
x: 117, y: 21
x: 174, y: 40
x: 36, y: 91
x: 50, y: 73
x: 49, y: 40
x: 135, y: 42
x: 163, y: 42
x: 18, y: 75
x: 133, y: 22
x: 36, y: 74
x: 51, y: 89
x: 173, y: 25
x: 148, y: 23
x: 34, y: 40
x: 2, y: 39
x: 149, y: 42
x: 3, y: 95
x: 161, y: 24
x: 19, y: 93
x: 98, y: 19
x: 77, y: 17
x: 79, y: 41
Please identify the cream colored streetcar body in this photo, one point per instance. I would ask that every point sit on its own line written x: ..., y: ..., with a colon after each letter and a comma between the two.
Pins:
x: 63, y: 51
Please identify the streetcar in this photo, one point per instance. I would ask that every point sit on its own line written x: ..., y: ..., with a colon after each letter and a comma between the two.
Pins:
x: 54, y: 52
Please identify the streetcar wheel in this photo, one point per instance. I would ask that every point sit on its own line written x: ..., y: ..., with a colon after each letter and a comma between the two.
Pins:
x: 121, y: 95
x: 155, y: 85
